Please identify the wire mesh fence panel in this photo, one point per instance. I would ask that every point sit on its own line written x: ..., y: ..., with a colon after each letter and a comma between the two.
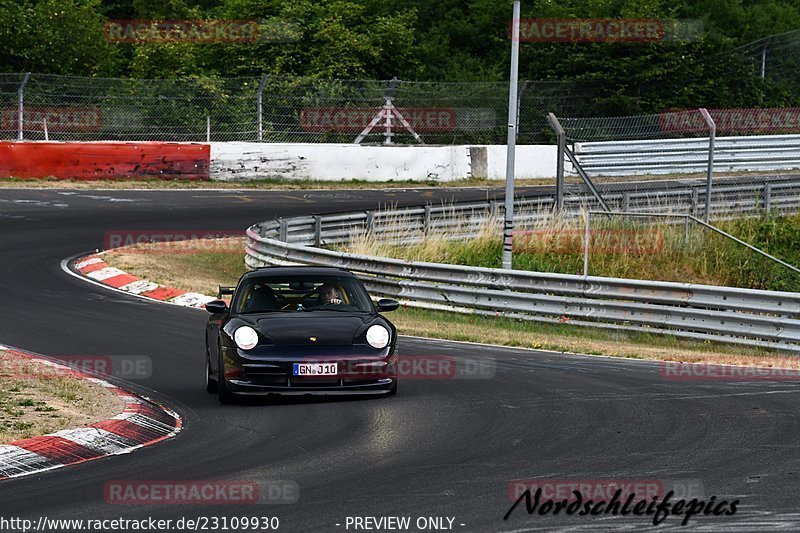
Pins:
x: 772, y: 63
x: 10, y: 85
x: 628, y: 158
x: 139, y: 110
x: 281, y: 109
x: 310, y: 110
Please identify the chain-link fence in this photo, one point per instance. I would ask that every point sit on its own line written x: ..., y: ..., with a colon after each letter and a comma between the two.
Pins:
x: 278, y: 109
x: 773, y: 61
x: 708, y: 163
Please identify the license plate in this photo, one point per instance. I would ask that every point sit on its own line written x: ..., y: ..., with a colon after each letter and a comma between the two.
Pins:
x: 314, y: 369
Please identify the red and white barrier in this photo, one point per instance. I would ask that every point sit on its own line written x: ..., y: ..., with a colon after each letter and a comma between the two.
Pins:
x: 232, y: 161
x: 104, y: 160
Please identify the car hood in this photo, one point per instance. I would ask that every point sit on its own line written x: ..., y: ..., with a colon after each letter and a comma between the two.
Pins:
x: 331, y: 328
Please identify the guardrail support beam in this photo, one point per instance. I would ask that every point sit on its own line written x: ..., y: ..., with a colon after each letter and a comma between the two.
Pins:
x: 284, y: 231
x: 561, y: 144
x: 712, y: 136
x: 317, y: 231
x: 370, y: 221
x: 767, y: 197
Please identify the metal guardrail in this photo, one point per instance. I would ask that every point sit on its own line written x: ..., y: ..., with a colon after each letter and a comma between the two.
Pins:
x: 741, y: 199
x: 741, y: 316
x: 674, y: 156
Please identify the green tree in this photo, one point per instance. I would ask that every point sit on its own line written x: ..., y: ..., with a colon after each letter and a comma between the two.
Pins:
x: 55, y: 37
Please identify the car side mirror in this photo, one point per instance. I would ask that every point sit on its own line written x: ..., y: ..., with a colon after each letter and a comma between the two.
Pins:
x: 217, y: 306
x: 386, y: 305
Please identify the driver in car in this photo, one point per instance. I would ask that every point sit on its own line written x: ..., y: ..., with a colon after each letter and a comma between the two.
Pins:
x: 328, y: 294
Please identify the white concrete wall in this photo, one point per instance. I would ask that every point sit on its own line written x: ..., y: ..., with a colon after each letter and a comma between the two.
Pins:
x: 240, y: 161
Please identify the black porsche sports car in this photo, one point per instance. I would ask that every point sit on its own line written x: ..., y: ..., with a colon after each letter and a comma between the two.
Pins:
x: 300, y: 330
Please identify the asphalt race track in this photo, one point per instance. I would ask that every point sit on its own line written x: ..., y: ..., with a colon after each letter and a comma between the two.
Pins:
x: 440, y: 448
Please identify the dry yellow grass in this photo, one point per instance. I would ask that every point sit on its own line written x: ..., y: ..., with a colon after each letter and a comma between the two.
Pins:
x: 583, y: 340
x: 37, y: 400
x: 200, y: 265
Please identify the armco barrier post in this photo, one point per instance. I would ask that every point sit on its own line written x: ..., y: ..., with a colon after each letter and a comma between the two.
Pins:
x: 370, y: 222
x: 712, y: 135
x: 767, y: 197
x: 20, y: 106
x: 317, y: 231
x: 561, y: 141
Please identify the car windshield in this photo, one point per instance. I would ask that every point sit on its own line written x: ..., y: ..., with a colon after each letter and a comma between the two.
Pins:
x: 301, y: 293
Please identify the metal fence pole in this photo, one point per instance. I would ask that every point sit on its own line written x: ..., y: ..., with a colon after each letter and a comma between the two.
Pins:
x: 44, y: 127
x: 561, y: 141
x: 208, y: 128
x: 259, y: 107
x: 508, y: 224
x: 712, y: 135
x: 586, y: 239
x: 20, y: 107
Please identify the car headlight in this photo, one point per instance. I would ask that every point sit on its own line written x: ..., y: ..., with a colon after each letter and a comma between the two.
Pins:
x: 245, y: 337
x: 378, y: 336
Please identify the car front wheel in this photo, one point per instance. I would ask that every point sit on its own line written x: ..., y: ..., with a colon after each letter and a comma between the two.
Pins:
x: 225, y: 395
x: 211, y: 383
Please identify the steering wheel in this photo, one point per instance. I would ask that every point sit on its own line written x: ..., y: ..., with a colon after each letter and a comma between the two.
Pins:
x: 303, y: 297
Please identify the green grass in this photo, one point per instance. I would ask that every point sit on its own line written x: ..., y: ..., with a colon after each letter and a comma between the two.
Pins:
x: 630, y: 249
x: 565, y: 337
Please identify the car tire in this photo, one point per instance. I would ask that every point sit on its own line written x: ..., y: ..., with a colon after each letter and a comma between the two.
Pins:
x: 211, y: 383
x: 225, y: 396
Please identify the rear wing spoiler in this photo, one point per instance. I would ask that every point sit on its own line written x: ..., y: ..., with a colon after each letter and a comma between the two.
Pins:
x: 225, y: 291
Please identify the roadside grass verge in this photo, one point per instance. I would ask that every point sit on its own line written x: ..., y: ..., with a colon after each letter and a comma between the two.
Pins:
x: 36, y: 399
x: 620, y: 248
x: 202, y: 271
x: 199, y: 265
